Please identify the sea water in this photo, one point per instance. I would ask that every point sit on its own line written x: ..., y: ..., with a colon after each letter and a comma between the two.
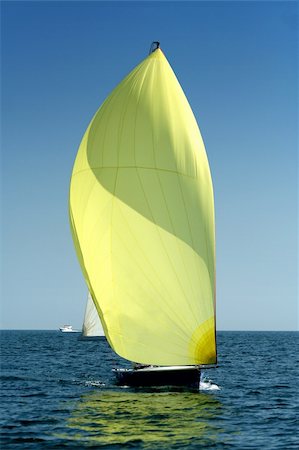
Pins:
x: 59, y: 391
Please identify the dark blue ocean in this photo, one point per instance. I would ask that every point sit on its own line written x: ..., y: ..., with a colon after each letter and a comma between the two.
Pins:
x: 58, y: 391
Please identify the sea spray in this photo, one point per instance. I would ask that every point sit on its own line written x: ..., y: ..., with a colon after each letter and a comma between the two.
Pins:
x: 206, y: 384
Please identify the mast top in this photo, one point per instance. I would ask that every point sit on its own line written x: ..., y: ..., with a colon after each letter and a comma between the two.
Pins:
x: 154, y: 46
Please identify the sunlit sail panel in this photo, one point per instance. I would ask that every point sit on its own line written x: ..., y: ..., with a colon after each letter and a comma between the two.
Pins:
x: 142, y: 217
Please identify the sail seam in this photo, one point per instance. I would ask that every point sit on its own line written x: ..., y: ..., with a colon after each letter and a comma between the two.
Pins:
x: 185, y: 208
x: 153, y: 219
x: 106, y: 106
x: 191, y: 236
x: 159, y: 234
x: 136, y: 111
x: 155, y: 150
x: 175, y: 322
x: 135, y: 167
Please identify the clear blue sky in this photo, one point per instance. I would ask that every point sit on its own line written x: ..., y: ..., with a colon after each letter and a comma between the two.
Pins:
x: 237, y: 63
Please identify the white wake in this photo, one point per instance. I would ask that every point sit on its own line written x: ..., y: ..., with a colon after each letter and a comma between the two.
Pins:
x: 207, y: 385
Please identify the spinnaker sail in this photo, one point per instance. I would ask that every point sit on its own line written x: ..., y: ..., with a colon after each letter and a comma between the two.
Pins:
x: 142, y: 219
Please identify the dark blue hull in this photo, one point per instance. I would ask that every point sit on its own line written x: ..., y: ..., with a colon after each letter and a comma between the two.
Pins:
x: 188, y: 376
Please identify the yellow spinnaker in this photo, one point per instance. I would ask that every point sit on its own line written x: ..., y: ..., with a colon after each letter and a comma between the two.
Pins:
x: 142, y: 218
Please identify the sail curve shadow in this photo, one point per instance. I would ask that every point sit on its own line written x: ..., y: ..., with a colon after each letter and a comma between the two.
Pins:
x: 144, y: 147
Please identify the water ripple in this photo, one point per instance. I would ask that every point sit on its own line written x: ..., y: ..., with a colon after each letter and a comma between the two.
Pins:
x: 58, y: 392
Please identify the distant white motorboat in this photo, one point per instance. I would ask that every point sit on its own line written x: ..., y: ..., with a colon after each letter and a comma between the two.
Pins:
x: 68, y: 329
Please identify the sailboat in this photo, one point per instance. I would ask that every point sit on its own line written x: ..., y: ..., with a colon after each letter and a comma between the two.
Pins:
x: 142, y: 220
x: 92, y: 327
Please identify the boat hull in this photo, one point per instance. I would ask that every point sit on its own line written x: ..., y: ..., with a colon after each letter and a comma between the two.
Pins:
x: 159, y: 376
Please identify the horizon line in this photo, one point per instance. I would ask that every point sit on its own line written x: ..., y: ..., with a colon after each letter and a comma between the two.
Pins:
x: 224, y: 330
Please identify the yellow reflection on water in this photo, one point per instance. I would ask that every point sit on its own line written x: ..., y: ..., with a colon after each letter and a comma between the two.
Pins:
x: 148, y: 419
